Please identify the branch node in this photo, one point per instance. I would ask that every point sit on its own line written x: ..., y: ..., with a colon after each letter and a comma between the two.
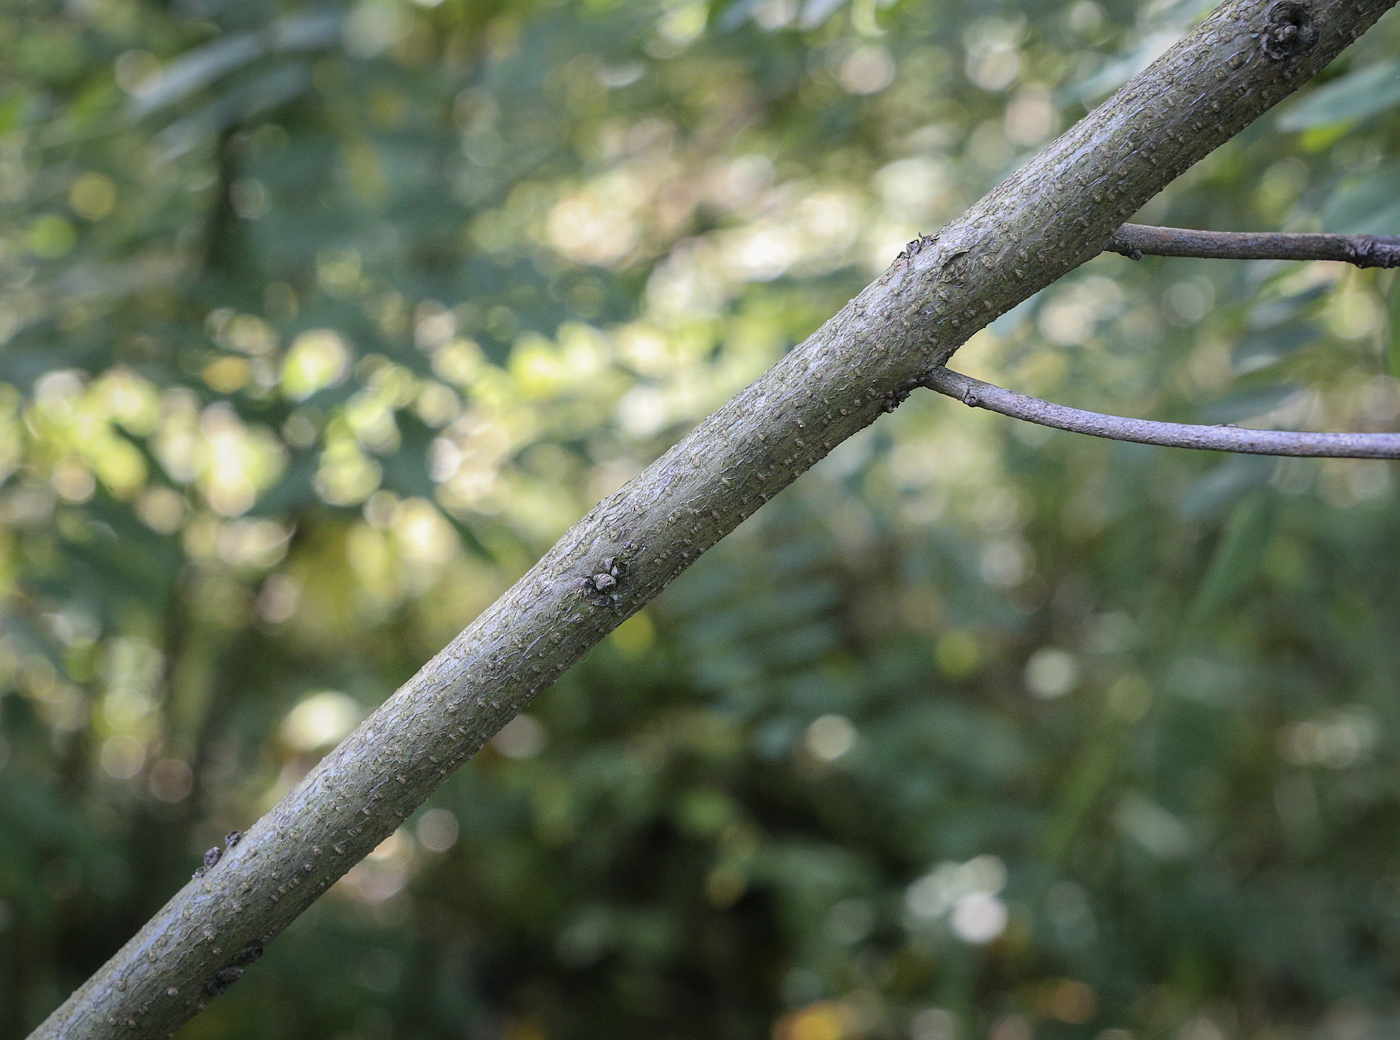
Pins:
x: 1291, y: 31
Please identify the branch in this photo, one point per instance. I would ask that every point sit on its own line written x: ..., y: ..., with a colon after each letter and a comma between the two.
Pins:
x: 1138, y: 240
x: 977, y: 394
x: 1053, y: 214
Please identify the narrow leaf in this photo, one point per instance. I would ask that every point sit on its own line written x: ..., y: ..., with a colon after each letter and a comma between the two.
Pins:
x: 1356, y: 96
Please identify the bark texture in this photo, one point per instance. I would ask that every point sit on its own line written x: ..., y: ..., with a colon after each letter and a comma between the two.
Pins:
x: 1138, y: 240
x: 1050, y: 216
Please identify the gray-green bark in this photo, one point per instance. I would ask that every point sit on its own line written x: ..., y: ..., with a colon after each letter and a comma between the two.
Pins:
x: 1053, y: 214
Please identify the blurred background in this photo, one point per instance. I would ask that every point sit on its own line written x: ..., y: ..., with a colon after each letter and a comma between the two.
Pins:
x: 320, y: 322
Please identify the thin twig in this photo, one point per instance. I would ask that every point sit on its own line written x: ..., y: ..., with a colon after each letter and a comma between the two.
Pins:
x: 977, y: 394
x: 1138, y: 240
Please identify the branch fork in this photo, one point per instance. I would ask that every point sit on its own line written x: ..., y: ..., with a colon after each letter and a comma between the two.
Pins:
x: 1137, y: 240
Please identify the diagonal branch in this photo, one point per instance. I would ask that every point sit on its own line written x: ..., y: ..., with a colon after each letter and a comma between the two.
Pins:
x: 1053, y: 214
x: 977, y: 394
x: 1138, y: 240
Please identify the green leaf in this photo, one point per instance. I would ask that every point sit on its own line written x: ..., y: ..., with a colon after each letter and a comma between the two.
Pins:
x: 1356, y: 96
x: 1238, y: 558
x: 1261, y: 350
x: 1392, y: 333
x: 203, y: 66
x: 1367, y: 206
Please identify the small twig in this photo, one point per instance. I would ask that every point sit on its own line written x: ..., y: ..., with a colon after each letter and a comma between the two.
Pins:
x: 1138, y: 240
x: 977, y: 394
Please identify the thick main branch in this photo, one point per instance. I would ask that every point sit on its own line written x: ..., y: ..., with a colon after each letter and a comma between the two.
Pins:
x: 1054, y: 213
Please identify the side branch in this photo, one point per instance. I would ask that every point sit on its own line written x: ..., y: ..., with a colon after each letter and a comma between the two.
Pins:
x: 1138, y: 240
x: 977, y: 394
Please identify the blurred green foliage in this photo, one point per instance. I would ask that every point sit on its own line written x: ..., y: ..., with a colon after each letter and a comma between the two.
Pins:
x: 321, y: 322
